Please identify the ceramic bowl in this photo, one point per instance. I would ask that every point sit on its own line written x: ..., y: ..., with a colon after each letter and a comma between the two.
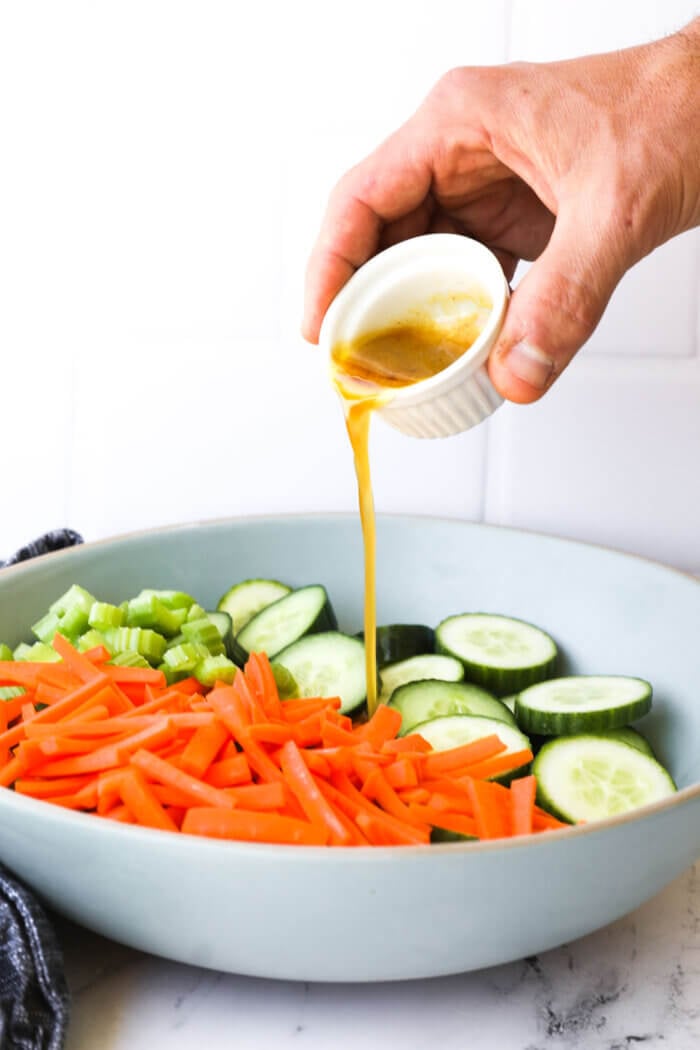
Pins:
x: 439, y: 275
x: 373, y: 914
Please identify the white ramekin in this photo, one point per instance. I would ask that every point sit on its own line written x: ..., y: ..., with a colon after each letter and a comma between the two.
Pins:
x: 412, y: 276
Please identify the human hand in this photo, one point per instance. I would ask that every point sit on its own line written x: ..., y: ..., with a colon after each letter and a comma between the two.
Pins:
x: 585, y: 166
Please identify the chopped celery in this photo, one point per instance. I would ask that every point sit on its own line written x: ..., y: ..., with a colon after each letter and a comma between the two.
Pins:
x: 286, y: 682
x: 47, y: 627
x: 103, y: 616
x: 39, y: 652
x: 196, y: 612
x: 73, y: 609
x: 129, y: 658
x: 185, y: 657
x: 5, y: 652
x: 204, y: 632
x: 146, y: 610
x: 170, y: 599
x: 90, y: 640
x: 139, y: 639
x: 9, y: 692
x: 215, y: 669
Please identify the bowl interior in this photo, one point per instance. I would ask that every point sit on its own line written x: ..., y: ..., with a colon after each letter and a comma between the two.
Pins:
x: 610, y: 613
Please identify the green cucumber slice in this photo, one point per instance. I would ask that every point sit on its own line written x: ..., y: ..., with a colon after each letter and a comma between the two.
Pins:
x: 306, y: 611
x: 400, y: 641
x: 245, y: 600
x: 499, y: 652
x: 587, y: 777
x: 455, y: 730
x: 416, y: 669
x: 328, y: 664
x: 419, y: 702
x: 581, y: 704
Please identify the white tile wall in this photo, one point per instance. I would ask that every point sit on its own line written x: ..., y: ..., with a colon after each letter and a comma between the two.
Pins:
x: 164, y: 169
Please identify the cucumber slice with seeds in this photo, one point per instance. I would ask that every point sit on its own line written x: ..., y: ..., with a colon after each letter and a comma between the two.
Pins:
x: 501, y: 653
x: 328, y: 664
x: 246, y: 599
x: 588, y: 777
x: 417, y: 669
x: 306, y: 611
x: 581, y: 704
x: 455, y: 730
x: 422, y: 701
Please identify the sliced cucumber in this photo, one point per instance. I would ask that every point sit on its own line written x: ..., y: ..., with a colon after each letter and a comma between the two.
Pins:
x: 442, y: 835
x: 455, y: 730
x: 627, y: 735
x: 400, y: 641
x: 588, y: 777
x: 416, y: 669
x: 509, y: 701
x: 328, y: 664
x: 246, y: 599
x: 581, y: 704
x: 306, y: 611
x: 499, y: 652
x: 422, y: 701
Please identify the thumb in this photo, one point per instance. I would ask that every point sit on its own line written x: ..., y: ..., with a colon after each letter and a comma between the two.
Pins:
x: 554, y: 309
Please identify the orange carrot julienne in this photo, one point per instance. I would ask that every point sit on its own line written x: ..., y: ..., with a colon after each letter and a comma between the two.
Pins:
x: 315, y: 805
x: 492, y: 818
x: 252, y: 827
x: 522, y: 795
x: 166, y: 773
x: 76, y: 662
x: 229, y: 772
x: 438, y: 762
x: 138, y: 796
x: 458, y: 822
x: 497, y: 764
x: 384, y: 724
x: 203, y: 747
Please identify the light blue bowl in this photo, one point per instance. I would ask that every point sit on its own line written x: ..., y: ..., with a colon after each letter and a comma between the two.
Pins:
x: 378, y: 914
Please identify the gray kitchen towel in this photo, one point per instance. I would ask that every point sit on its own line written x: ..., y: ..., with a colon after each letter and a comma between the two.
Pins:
x: 34, y: 997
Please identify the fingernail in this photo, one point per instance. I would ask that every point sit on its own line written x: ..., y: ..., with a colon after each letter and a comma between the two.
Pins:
x: 530, y: 364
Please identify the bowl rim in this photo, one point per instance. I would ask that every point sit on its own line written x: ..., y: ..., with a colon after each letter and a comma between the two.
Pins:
x: 77, y: 819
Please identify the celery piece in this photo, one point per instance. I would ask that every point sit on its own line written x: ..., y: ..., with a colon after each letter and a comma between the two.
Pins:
x: 9, y: 692
x: 196, y: 612
x: 90, y: 640
x: 39, y: 652
x: 170, y: 599
x: 177, y: 640
x: 215, y: 669
x: 129, y: 658
x: 47, y: 627
x: 103, y: 616
x: 73, y: 609
x: 204, y: 632
x: 185, y: 657
x: 5, y: 652
x: 148, y: 611
x: 139, y: 639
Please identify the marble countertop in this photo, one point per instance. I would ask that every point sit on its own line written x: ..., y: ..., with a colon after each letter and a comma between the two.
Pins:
x: 635, y: 983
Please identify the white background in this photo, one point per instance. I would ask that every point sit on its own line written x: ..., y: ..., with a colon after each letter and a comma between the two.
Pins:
x: 163, y: 171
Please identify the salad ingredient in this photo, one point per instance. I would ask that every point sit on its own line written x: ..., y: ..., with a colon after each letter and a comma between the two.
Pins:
x: 425, y: 700
x: 452, y: 731
x: 244, y: 600
x: 305, y: 611
x: 238, y: 762
x: 498, y: 652
x: 585, y: 777
x: 582, y: 703
x: 328, y: 664
x: 400, y: 641
x: 417, y: 668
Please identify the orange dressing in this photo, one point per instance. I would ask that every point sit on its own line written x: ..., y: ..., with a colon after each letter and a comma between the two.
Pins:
x: 365, y: 371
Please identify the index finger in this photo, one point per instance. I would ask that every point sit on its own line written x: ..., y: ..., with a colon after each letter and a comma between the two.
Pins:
x: 387, y: 185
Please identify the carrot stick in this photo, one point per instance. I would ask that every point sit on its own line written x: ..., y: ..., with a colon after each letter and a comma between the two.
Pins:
x: 137, y: 795
x: 401, y: 774
x: 270, y: 733
x: 229, y: 772
x: 9, y: 773
x: 136, y: 675
x: 405, y: 833
x: 522, y: 797
x: 166, y: 773
x: 448, y: 821
x: 203, y: 747
x: 377, y: 788
x: 492, y: 767
x: 262, y: 681
x: 410, y: 742
x: 76, y: 662
x: 260, y: 796
x: 437, y: 763
x: 38, y: 788
x: 122, y: 814
x: 317, y: 808
x: 252, y: 827
x: 490, y: 813
x: 384, y: 725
